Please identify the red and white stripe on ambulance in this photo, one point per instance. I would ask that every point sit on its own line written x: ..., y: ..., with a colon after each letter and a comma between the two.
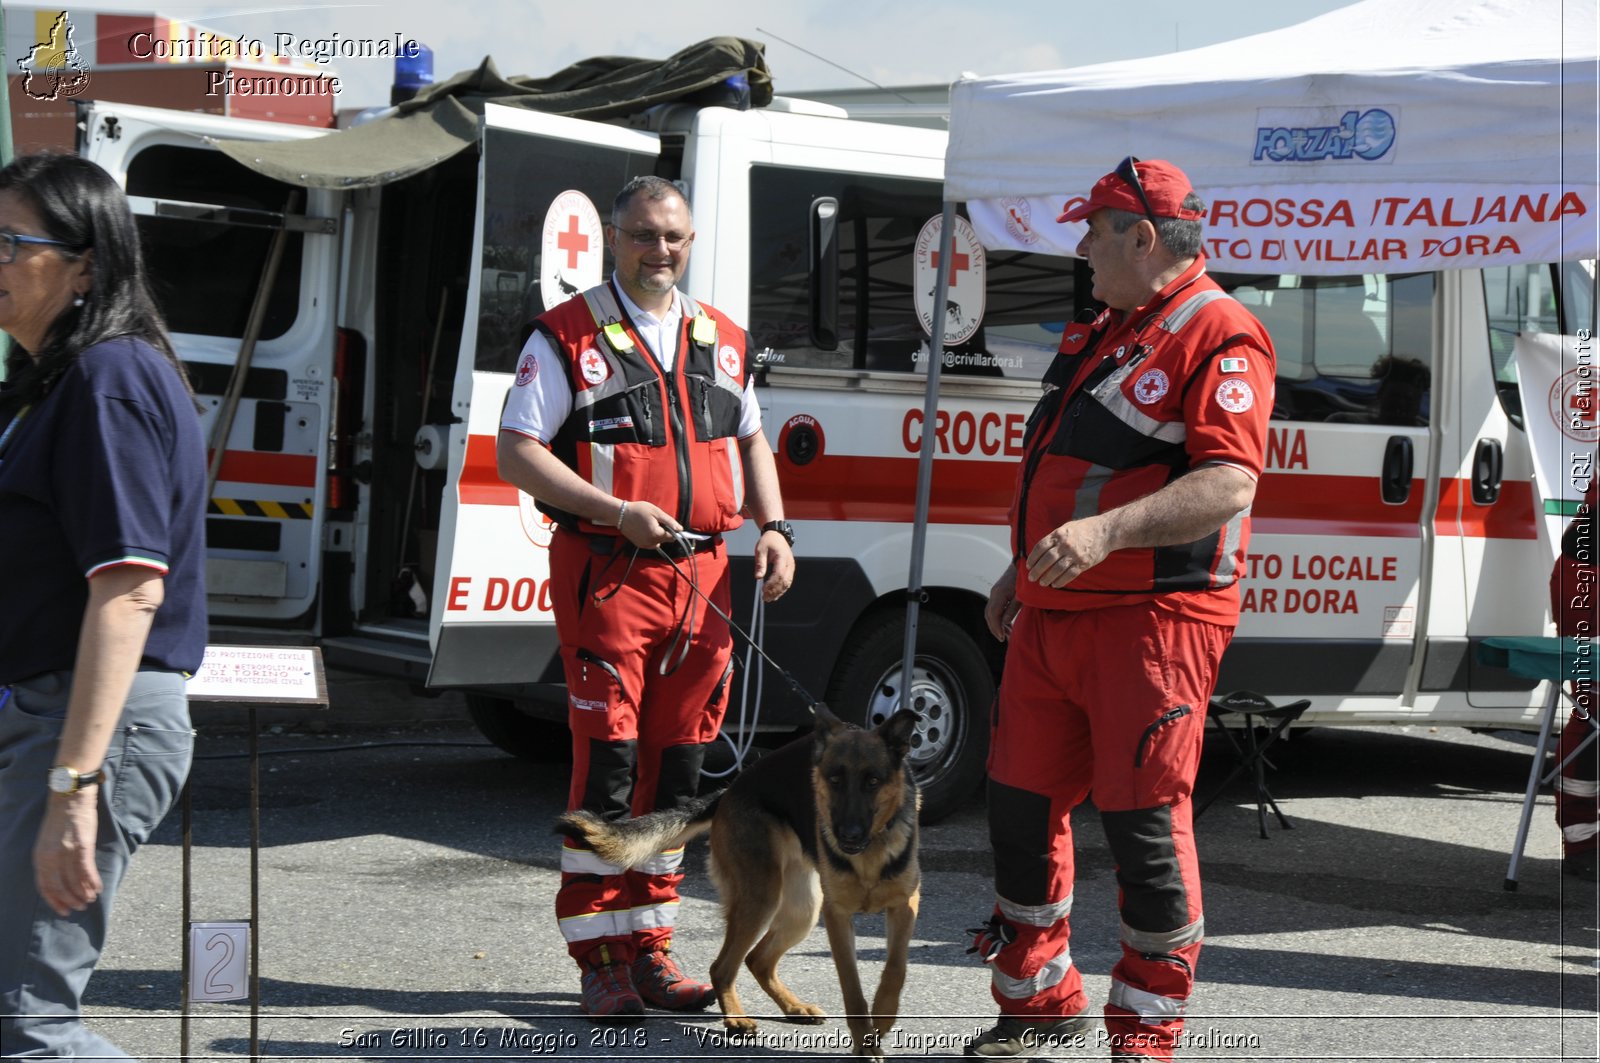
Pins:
x: 500, y: 561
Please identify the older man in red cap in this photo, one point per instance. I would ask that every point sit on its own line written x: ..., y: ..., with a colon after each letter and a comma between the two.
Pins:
x: 1129, y: 523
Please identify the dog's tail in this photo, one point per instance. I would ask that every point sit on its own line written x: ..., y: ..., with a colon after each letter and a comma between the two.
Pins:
x: 630, y: 842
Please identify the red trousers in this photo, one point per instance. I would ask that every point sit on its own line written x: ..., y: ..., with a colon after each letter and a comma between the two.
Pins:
x: 1109, y: 702
x: 647, y: 665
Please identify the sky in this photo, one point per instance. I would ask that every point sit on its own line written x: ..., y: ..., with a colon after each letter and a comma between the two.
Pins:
x: 809, y: 45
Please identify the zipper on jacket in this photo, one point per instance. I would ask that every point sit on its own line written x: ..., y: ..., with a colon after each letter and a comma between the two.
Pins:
x: 1149, y: 732
x: 681, y: 441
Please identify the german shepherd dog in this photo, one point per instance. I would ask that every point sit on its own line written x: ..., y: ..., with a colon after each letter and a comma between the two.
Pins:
x: 827, y: 823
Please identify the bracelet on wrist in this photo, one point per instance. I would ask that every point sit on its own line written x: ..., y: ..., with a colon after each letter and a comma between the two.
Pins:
x: 622, y: 512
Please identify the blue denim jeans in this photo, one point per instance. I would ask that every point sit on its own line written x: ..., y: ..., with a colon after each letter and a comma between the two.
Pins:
x: 45, y: 959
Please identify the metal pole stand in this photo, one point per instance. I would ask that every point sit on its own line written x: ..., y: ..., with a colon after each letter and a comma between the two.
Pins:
x: 253, y: 676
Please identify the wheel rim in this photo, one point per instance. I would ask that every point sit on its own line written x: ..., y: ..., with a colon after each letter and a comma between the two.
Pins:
x: 937, y: 697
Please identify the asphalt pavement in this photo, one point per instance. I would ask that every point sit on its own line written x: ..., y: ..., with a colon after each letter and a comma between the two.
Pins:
x: 407, y: 878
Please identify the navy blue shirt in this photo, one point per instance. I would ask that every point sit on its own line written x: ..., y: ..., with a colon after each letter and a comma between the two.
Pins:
x: 108, y: 469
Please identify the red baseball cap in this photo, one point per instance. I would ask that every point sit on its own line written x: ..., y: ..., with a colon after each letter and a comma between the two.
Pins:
x: 1163, y: 184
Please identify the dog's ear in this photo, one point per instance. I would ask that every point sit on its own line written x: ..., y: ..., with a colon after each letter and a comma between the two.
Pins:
x: 826, y: 722
x: 897, y: 730
x: 827, y: 725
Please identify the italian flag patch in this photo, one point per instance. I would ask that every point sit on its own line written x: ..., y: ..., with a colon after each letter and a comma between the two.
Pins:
x: 1234, y: 365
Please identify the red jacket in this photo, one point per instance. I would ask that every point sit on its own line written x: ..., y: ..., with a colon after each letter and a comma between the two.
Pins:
x: 639, y: 433
x: 1134, y: 401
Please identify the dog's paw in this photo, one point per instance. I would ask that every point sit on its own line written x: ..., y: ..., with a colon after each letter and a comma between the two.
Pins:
x: 739, y: 1024
x: 809, y: 1014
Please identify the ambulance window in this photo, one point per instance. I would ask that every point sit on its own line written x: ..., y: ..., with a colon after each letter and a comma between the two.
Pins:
x: 1532, y: 297
x: 1352, y: 350
x: 875, y: 324
x: 524, y: 176
x: 205, y: 274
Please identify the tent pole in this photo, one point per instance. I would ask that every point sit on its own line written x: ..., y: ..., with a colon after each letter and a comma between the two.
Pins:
x: 930, y: 409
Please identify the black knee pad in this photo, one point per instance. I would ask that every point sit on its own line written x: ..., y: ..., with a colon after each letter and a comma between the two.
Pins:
x: 1019, y: 829
x: 608, y: 787
x: 679, y: 778
x: 1153, y: 896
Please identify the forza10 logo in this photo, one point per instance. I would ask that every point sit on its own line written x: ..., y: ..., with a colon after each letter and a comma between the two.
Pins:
x: 1366, y: 135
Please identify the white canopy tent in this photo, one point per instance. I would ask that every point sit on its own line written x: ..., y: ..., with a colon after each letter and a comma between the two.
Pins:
x: 1388, y: 136
x: 1415, y: 134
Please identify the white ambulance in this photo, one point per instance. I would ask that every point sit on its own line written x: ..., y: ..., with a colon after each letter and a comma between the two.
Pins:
x: 358, y: 503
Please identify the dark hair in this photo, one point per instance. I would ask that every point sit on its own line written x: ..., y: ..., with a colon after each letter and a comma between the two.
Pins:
x: 1178, y: 235
x: 651, y: 187
x: 81, y: 204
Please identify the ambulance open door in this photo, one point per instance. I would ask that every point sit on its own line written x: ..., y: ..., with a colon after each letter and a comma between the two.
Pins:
x: 208, y: 226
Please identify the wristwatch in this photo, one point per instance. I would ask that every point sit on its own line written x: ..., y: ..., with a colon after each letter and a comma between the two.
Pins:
x: 782, y: 527
x: 65, y: 780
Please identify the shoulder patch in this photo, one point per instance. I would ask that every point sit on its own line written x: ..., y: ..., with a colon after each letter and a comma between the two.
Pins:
x: 527, y: 369
x: 1234, y: 365
x: 1235, y: 395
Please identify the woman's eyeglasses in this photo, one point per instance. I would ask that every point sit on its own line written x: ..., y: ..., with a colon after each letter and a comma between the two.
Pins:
x: 9, y: 243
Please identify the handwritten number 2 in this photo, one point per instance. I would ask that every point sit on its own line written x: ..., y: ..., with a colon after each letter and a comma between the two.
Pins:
x: 212, y: 986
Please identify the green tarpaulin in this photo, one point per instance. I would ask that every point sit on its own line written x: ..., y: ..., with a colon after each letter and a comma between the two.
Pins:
x: 443, y: 120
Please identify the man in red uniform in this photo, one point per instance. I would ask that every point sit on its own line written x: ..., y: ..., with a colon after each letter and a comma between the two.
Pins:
x: 633, y: 423
x: 1129, y: 521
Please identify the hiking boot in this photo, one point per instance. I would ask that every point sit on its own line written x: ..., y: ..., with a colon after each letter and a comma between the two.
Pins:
x: 1016, y: 1038
x: 662, y: 983
x: 609, y: 995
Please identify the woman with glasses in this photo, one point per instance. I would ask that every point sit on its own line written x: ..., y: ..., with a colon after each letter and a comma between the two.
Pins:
x: 102, y: 613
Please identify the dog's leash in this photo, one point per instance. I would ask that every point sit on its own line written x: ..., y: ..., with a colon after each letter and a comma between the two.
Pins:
x: 694, y: 585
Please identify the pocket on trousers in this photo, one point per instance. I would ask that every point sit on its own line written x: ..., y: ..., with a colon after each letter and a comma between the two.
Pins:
x: 42, y: 697
x: 596, y: 701
x: 147, y: 764
x: 1150, y: 739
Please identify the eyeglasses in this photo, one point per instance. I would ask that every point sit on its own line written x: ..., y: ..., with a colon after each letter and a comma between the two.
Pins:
x: 9, y: 242
x: 650, y: 238
x: 1130, y: 173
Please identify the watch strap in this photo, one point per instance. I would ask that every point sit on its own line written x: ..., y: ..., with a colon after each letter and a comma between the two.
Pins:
x: 782, y: 527
x: 80, y: 779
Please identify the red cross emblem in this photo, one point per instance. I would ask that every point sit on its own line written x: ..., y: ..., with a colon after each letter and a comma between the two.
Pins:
x: 958, y: 262
x: 573, y: 242
x: 593, y: 366
x: 1151, y: 386
x: 728, y: 358
x: 1235, y: 395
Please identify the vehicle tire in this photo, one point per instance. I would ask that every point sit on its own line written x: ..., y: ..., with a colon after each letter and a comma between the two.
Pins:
x: 953, y: 690
x: 514, y: 731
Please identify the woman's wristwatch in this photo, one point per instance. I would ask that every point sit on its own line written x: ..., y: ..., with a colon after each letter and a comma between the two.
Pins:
x: 65, y: 780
